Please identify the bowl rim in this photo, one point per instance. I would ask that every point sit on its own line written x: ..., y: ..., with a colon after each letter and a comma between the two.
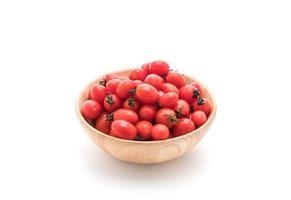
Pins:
x: 84, y: 122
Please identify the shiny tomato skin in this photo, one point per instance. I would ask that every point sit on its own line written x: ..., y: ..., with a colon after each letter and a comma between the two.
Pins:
x: 103, y: 124
x: 124, y: 88
x: 91, y: 109
x: 147, y: 112
x: 204, y: 106
x: 169, y: 87
x: 144, y: 129
x: 125, y: 114
x: 161, y: 94
x: 176, y: 79
x: 132, y: 104
x: 154, y: 80
x: 112, y: 102
x: 159, y: 67
x: 187, y: 93
x: 199, y: 87
x: 98, y: 93
x: 146, y: 67
x: 183, y: 127
x: 146, y: 93
x: 182, y: 107
x: 137, y: 74
x: 137, y: 82
x: 167, y: 117
x: 169, y: 99
x: 199, y: 118
x: 110, y: 76
x: 112, y: 85
x: 123, y: 129
x: 160, y: 132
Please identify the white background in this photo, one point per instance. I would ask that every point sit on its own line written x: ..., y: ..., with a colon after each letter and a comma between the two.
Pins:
x: 50, y: 49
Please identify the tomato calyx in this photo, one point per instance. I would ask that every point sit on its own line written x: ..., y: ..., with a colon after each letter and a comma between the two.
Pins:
x: 179, y: 113
x: 109, y: 117
x: 132, y: 91
x: 102, y: 82
x: 200, y: 101
x: 131, y: 101
x: 109, y: 99
x: 158, y: 105
x: 195, y: 93
x: 138, y: 137
x: 172, y: 119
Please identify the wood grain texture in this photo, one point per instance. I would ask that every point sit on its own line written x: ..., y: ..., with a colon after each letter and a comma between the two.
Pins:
x: 145, y: 152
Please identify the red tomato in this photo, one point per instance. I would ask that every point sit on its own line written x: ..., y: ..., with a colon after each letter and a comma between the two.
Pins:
x: 110, y: 76
x: 199, y: 87
x: 166, y: 116
x: 160, y: 132
x: 169, y: 87
x: 137, y: 74
x: 146, y: 93
x: 137, y: 82
x: 123, y: 129
x: 182, y: 108
x: 143, y: 130
x: 183, y: 127
x: 125, y: 114
x: 112, y: 85
x: 159, y: 67
x: 103, y: 123
x: 112, y: 102
x: 176, y: 79
x: 161, y: 94
x: 91, y: 109
x: 169, y: 99
x: 125, y: 89
x: 132, y: 104
x: 98, y: 93
x: 202, y: 104
x: 147, y: 112
x: 154, y: 80
x: 198, y: 117
x: 189, y: 93
x: 146, y: 67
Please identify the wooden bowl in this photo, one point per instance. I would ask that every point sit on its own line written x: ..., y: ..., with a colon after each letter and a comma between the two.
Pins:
x: 145, y: 152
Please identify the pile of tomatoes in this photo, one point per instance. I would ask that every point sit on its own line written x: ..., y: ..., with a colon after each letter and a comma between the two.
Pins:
x: 152, y: 103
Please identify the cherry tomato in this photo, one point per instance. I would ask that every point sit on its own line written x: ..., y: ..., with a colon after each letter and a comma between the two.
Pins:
x: 160, y: 132
x: 137, y: 82
x: 146, y: 93
x: 198, y: 117
x: 91, y: 109
x: 132, y: 104
x: 154, y: 80
x: 103, y: 123
x: 159, y: 67
x: 111, y: 102
x: 183, y: 127
x: 169, y: 99
x: 123, y: 129
x: 110, y: 76
x: 137, y: 74
x: 143, y: 130
x: 199, y: 87
x: 189, y: 93
x: 202, y: 104
x: 112, y: 85
x: 125, y: 114
x: 166, y: 116
x: 176, y: 79
x: 182, y: 108
x: 125, y: 89
x: 147, y: 112
x: 146, y: 67
x: 169, y: 87
x: 98, y: 93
